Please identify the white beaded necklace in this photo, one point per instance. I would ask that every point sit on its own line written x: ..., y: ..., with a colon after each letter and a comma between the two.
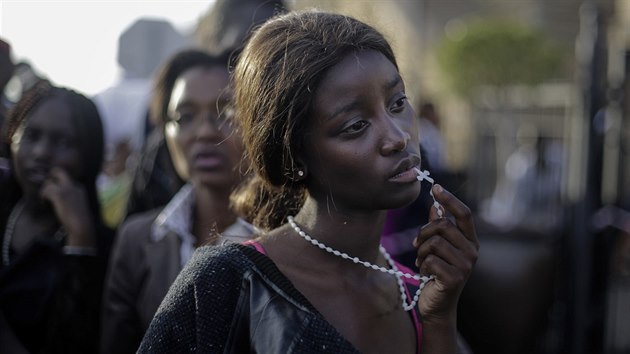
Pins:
x: 424, y: 175
x: 393, y: 270
x: 10, y: 228
x: 8, y: 231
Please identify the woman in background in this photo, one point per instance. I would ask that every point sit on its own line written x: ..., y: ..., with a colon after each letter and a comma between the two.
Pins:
x: 54, y: 244
x: 193, y: 98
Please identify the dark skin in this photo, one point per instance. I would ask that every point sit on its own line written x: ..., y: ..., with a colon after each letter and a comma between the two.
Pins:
x: 205, y: 152
x: 448, y: 248
x: 47, y: 163
x: 359, y: 158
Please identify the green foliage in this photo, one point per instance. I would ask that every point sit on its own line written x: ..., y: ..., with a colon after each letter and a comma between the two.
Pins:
x: 498, y: 54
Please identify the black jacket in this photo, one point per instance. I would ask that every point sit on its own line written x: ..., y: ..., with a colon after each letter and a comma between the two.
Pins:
x: 233, y: 299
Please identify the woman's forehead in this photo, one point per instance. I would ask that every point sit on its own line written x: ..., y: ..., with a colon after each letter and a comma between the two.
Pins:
x: 358, y: 75
x: 52, y: 113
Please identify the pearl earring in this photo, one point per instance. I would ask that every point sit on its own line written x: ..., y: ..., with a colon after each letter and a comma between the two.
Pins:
x: 300, y: 173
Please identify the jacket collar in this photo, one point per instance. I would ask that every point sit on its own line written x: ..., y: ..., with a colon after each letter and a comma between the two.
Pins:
x: 176, y: 218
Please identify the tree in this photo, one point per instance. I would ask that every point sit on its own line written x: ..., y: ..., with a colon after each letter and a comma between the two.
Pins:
x: 499, y: 54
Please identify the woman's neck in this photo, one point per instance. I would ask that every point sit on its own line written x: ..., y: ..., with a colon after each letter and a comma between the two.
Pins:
x: 355, y: 233
x: 29, y: 220
x: 37, y: 208
x: 212, y: 214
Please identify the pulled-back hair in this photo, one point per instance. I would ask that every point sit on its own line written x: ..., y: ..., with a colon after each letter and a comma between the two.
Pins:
x: 84, y: 116
x: 174, y: 67
x: 276, y: 78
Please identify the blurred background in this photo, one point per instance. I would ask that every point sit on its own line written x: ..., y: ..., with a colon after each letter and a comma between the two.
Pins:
x: 528, y: 104
x: 76, y: 42
x: 531, y: 103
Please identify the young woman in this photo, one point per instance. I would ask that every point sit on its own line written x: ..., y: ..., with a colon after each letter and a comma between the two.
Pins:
x: 54, y: 244
x: 331, y: 137
x: 192, y: 99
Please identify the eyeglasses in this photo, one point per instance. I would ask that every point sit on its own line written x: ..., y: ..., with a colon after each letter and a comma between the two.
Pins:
x: 189, y: 120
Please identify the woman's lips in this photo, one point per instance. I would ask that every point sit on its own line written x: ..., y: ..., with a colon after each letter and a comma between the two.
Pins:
x: 37, y: 175
x: 208, y: 161
x: 405, y: 176
x: 404, y: 171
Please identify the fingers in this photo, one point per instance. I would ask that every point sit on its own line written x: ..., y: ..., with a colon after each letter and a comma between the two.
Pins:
x: 445, y: 273
x: 71, y: 205
x: 447, y: 246
x: 459, y: 210
x: 57, y: 181
x: 60, y: 189
x: 438, y: 255
x: 436, y: 211
x: 446, y: 229
x: 60, y: 176
x: 442, y: 238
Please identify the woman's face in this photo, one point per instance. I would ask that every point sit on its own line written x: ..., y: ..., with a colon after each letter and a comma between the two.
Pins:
x: 362, y: 145
x: 47, y: 138
x: 203, y: 145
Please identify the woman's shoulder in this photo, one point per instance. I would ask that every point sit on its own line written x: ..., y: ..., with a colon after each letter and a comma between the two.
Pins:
x: 134, y: 231
x: 140, y: 220
x: 214, y: 261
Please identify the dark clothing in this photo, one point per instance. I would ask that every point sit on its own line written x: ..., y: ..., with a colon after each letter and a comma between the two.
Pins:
x: 233, y: 299
x: 155, y: 180
x: 51, y: 300
x: 139, y: 275
x: 145, y: 261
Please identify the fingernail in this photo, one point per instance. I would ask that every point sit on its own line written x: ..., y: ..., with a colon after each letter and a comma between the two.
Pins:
x: 414, y: 242
x: 438, y: 188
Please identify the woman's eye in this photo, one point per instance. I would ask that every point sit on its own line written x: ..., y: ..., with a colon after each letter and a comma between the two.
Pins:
x: 225, y: 116
x: 185, y: 118
x: 399, y: 105
x: 355, y: 127
x: 64, y: 143
x: 29, y: 135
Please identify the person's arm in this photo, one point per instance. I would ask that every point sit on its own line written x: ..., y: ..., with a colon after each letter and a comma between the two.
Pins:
x: 447, y: 248
x: 70, y: 203
x: 197, y: 313
x: 76, y: 304
x: 121, y: 329
x: 173, y: 328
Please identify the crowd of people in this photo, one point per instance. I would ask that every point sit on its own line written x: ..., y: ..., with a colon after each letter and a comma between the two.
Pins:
x: 256, y: 216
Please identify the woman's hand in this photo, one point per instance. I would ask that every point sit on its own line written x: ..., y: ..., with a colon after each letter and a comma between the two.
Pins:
x: 70, y: 202
x: 447, y: 248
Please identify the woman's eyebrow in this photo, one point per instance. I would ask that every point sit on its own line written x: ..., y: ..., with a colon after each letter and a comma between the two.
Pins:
x: 186, y: 103
x: 345, y: 108
x: 393, y: 82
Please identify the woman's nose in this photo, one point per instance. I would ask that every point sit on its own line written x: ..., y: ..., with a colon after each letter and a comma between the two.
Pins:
x: 42, y: 148
x: 213, y: 126
x: 208, y: 128
x: 395, y: 136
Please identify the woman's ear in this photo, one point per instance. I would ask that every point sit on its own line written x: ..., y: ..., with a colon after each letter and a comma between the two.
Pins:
x: 300, y: 174
x: 299, y: 171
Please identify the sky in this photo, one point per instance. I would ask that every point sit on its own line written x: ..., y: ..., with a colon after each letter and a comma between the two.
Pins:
x: 74, y: 42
